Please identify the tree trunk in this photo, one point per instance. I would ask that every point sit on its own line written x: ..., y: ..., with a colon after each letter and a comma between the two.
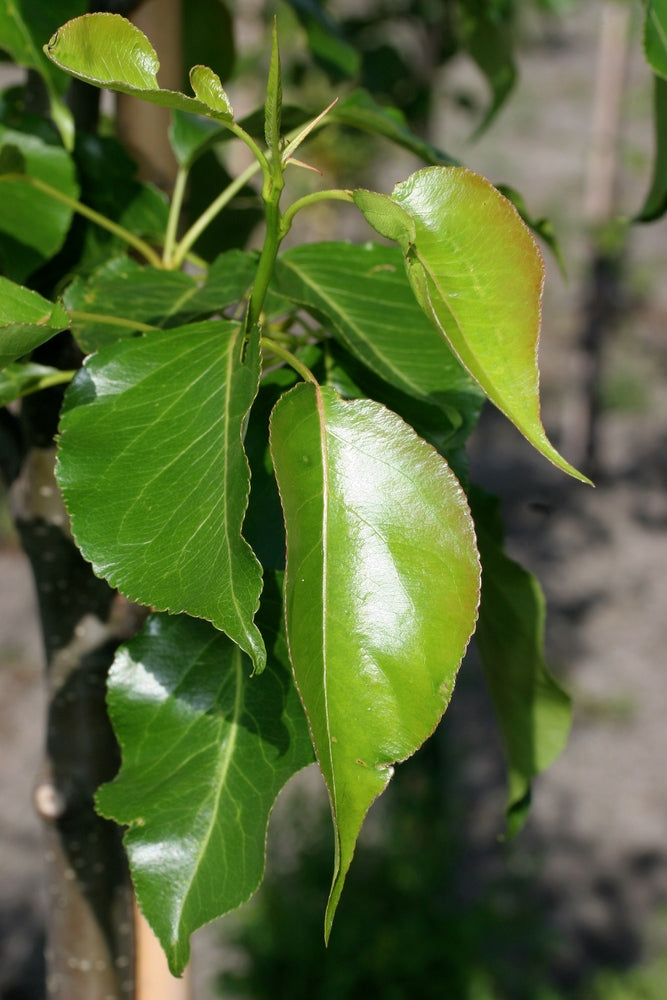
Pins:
x: 90, y: 952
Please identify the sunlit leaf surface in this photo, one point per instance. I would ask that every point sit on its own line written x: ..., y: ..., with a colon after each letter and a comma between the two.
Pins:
x: 155, y: 478
x: 109, y: 51
x: 477, y: 273
x: 206, y: 749
x: 381, y: 591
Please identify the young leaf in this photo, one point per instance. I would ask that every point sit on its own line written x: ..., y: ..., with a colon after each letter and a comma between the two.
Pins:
x: 364, y: 296
x: 35, y: 222
x: 477, y: 274
x: 155, y: 478
x: 207, y: 87
x: 381, y: 591
x: 106, y: 50
x: 274, y: 100
x: 26, y: 321
x: 533, y: 711
x: 206, y: 750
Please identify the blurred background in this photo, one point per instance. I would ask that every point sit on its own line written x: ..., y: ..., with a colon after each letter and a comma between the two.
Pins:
x: 437, y: 904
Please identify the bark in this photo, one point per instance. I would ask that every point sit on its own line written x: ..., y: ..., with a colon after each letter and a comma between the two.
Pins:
x: 90, y: 952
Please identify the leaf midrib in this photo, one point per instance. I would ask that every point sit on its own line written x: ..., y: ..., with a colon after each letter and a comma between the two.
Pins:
x: 221, y: 772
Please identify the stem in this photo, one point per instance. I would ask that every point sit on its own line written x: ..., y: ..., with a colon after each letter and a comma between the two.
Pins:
x: 266, y: 261
x: 199, y: 225
x: 262, y: 159
x: 184, y: 245
x: 89, y: 213
x: 312, y: 199
x: 292, y: 361
x: 174, y: 214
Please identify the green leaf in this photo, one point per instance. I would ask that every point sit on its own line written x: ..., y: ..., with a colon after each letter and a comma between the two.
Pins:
x: 206, y: 750
x: 19, y: 380
x: 360, y: 111
x: 106, y: 50
x: 325, y: 40
x: 381, y: 591
x: 274, y: 99
x: 386, y: 217
x: 26, y: 321
x: 363, y: 293
x: 477, y: 274
x: 533, y: 711
x: 123, y: 297
x: 655, y: 37
x: 208, y: 89
x: 24, y: 24
x: 447, y: 428
x: 655, y: 204
x: 154, y: 475
x: 30, y: 217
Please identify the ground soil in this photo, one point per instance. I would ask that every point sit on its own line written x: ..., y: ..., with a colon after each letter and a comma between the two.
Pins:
x: 599, y: 820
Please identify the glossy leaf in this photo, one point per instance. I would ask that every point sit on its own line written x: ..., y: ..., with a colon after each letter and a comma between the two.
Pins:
x: 35, y: 222
x: 153, y: 472
x: 365, y: 299
x: 655, y: 37
x: 360, y: 111
x: 23, y: 28
x: 533, y: 711
x: 206, y: 750
x: 381, y: 591
x: 26, y: 321
x: 446, y: 429
x: 655, y: 204
x: 122, y: 293
x: 106, y: 50
x: 477, y: 274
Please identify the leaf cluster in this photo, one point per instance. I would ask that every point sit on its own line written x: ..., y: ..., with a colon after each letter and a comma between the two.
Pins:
x: 268, y: 449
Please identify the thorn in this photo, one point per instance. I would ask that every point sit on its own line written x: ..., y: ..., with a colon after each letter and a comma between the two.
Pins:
x: 305, y: 166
